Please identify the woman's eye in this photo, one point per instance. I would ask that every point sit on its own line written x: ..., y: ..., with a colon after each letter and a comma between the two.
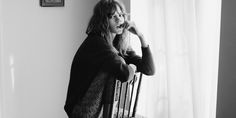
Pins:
x: 116, y: 16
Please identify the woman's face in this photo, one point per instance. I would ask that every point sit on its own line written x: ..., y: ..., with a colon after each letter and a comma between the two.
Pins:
x: 115, y: 21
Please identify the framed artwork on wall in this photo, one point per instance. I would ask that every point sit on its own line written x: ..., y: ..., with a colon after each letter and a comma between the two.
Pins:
x: 52, y: 3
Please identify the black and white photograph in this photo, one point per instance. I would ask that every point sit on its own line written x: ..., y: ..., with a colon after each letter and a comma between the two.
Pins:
x: 117, y: 58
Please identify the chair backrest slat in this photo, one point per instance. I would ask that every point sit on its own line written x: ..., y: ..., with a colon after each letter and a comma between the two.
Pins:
x: 131, y: 97
x: 125, y: 95
x: 137, y: 95
x: 120, y: 91
x: 122, y: 106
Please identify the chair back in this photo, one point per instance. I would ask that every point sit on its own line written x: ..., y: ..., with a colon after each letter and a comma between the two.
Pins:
x: 125, y: 98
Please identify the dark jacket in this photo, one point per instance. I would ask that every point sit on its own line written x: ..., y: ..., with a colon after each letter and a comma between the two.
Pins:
x: 95, y: 54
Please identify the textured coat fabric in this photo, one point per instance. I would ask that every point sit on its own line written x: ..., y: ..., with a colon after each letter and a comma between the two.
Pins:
x: 94, y: 55
x: 91, y: 104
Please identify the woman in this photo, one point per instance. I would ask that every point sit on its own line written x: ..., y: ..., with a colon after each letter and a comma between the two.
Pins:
x: 104, y: 55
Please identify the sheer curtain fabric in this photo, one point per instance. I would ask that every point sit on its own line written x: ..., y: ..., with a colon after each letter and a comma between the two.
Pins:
x: 184, y: 38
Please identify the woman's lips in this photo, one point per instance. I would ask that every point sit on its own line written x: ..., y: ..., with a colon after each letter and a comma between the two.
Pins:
x: 121, y: 25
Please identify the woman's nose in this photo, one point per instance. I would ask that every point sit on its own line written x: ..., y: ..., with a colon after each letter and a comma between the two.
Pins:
x: 119, y: 19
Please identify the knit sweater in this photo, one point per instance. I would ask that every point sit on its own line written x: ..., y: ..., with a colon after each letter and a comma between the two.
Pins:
x: 94, y: 55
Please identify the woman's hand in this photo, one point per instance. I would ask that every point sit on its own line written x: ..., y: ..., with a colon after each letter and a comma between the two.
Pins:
x: 133, y: 70
x: 130, y: 26
x: 133, y: 67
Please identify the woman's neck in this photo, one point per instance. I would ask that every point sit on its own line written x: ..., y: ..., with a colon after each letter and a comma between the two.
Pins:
x: 111, y: 38
x: 112, y: 35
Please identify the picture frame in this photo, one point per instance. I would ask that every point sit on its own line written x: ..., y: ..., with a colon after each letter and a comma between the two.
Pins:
x: 52, y: 3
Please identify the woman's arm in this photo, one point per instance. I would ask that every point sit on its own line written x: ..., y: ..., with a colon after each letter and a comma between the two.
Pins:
x: 145, y: 63
x: 117, y: 66
x: 133, y: 29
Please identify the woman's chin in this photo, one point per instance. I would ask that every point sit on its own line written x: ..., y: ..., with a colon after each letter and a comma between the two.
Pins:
x: 119, y: 31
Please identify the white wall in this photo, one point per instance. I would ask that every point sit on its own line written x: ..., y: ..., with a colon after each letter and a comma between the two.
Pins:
x: 36, y: 49
x: 37, y: 45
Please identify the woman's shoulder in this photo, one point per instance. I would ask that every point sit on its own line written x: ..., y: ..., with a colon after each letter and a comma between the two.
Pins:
x: 95, y: 39
x: 95, y: 44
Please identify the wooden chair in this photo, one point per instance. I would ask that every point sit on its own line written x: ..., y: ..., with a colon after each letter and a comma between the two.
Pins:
x: 125, y: 98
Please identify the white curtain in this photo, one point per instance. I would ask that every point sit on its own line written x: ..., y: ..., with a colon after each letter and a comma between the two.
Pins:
x: 184, y: 38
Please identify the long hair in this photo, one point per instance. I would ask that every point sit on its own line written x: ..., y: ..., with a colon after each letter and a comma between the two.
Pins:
x: 98, y: 24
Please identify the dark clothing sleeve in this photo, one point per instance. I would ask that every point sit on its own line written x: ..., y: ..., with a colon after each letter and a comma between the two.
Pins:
x: 144, y: 64
x: 117, y: 66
